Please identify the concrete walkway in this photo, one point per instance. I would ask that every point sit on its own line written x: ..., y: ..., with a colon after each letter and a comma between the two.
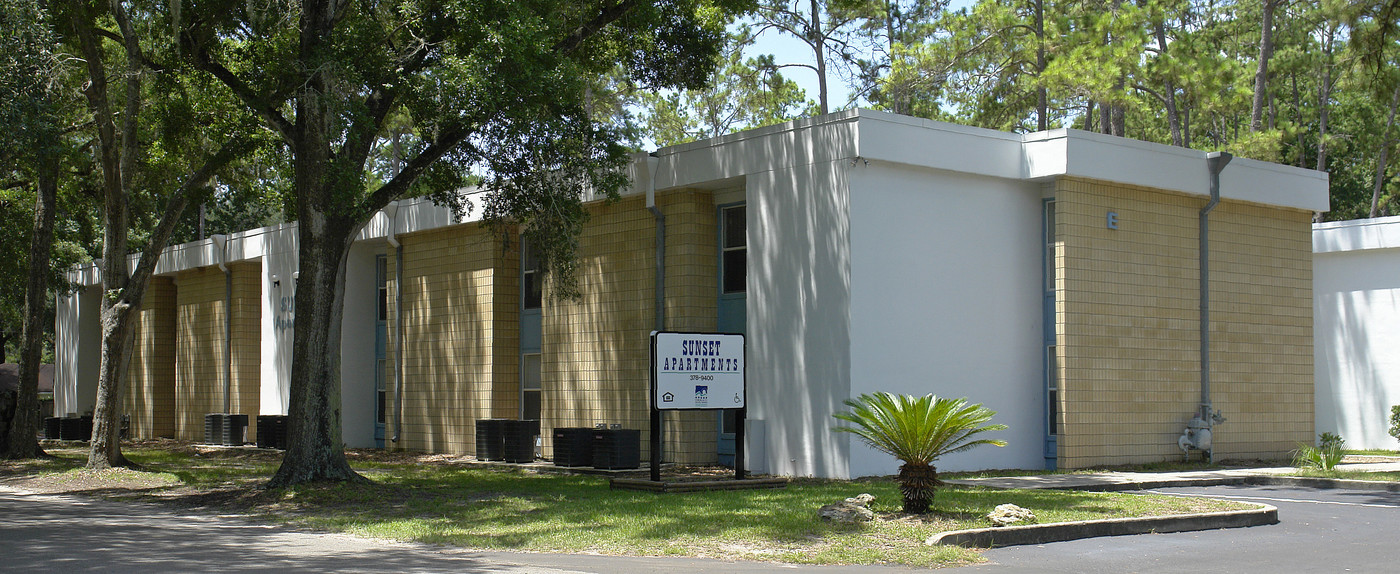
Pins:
x: 1113, y: 481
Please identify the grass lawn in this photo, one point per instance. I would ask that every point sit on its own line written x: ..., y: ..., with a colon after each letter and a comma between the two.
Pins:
x: 414, y: 498
x: 1348, y: 475
x: 1372, y: 452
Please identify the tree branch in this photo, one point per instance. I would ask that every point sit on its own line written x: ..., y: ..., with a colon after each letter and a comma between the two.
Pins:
x: 575, y: 39
x: 448, y: 139
x: 265, y: 108
x: 231, y: 150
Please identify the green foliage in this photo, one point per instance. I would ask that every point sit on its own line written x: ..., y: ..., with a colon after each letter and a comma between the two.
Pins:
x: 1171, y: 71
x: 744, y: 93
x: 1395, y: 421
x: 1331, y: 440
x: 1317, y: 457
x: 917, y: 431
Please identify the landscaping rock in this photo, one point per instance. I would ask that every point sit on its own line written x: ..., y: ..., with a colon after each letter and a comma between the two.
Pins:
x: 862, y: 500
x: 1008, y: 514
x: 849, y: 511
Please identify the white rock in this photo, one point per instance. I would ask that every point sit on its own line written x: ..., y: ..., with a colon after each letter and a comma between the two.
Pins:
x: 1008, y: 514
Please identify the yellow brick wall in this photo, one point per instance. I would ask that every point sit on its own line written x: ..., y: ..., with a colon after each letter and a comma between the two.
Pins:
x: 199, y: 362
x: 1261, y: 336
x: 596, y: 350
x: 460, y: 336
x: 692, y: 287
x: 1127, y: 328
x: 461, y: 328
x: 150, y: 396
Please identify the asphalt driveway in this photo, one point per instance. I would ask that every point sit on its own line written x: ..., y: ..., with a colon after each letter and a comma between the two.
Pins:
x: 1318, y: 531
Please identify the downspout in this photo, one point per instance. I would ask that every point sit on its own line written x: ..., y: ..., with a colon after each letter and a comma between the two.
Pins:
x: 652, y: 163
x: 221, y: 242
x: 1216, y: 162
x: 392, y: 211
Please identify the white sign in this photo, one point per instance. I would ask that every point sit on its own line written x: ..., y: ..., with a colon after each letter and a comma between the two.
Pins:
x: 697, y: 371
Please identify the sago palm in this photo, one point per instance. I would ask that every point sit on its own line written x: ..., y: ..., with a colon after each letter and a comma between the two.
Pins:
x: 918, y: 430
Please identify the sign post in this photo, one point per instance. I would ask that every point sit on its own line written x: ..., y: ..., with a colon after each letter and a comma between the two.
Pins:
x: 697, y: 371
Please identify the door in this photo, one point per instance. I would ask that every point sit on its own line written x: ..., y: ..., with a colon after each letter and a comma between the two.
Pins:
x: 531, y: 332
x: 733, y: 311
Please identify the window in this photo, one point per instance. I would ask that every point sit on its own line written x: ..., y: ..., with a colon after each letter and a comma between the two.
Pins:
x: 1049, y: 246
x: 530, y: 386
x: 733, y: 250
x: 381, y: 398
x: 1052, y: 391
x: 531, y: 280
x: 381, y: 279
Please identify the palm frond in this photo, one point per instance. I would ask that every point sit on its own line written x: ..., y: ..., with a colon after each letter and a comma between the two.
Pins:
x: 918, y: 430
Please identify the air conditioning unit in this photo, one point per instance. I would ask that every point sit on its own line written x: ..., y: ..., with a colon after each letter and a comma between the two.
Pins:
x: 519, y: 440
x: 573, y: 447
x: 615, y: 449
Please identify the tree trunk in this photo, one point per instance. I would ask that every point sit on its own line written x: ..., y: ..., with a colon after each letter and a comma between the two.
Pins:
x: 1042, y: 105
x: 818, y: 43
x: 917, y: 484
x: 1384, y: 152
x: 22, y: 436
x: 1169, y: 90
x: 1186, y: 119
x: 117, y: 328
x: 315, y: 451
x: 1120, y: 127
x: 1298, y: 117
x: 1261, y: 74
x: 1324, y: 96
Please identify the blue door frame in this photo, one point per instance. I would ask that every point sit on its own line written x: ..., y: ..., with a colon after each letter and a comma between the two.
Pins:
x: 381, y: 337
x: 733, y: 318
x: 1050, y: 384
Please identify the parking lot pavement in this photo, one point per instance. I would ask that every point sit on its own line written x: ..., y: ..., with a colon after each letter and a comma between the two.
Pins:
x: 1319, y: 530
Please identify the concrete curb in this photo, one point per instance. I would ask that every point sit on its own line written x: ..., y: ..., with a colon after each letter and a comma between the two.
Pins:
x: 1060, y: 532
x: 1043, y: 533
x: 1332, y: 483
x: 1252, y: 480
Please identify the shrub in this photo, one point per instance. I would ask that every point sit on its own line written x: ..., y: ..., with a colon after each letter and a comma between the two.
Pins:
x: 1395, y: 421
x: 1330, y: 440
x: 1319, y: 458
x: 917, y: 431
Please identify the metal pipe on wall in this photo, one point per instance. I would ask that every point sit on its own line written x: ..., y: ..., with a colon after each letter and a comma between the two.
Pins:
x: 392, y: 211
x: 1216, y: 162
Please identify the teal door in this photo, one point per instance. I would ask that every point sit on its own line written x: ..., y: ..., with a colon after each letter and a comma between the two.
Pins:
x: 733, y: 311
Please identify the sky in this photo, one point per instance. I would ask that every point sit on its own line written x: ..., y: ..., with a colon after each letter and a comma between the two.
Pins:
x: 789, y: 50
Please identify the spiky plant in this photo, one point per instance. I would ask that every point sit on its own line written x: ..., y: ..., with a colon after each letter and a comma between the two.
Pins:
x: 918, y: 430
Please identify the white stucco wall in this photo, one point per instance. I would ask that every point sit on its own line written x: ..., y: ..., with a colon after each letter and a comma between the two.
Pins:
x: 798, y: 320
x: 76, y: 366
x: 357, y: 358
x: 945, y: 299
x: 278, y: 316
x: 1356, y: 328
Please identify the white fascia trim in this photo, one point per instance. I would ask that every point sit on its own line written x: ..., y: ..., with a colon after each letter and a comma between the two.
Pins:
x: 880, y: 136
x: 1356, y: 235
x: 1066, y: 152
